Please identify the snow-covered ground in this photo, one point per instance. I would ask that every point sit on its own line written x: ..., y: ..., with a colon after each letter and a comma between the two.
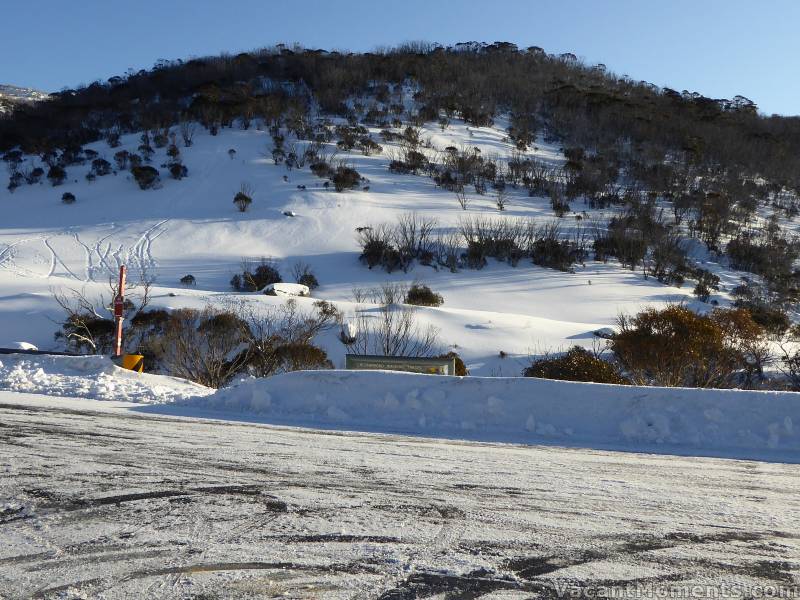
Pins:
x: 99, y: 502
x: 192, y: 227
x: 94, y: 377
x: 744, y: 424
x: 729, y: 423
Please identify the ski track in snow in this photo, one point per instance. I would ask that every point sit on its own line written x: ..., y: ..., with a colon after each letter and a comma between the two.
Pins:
x: 56, y: 260
x: 88, y: 266
x: 7, y: 255
x: 102, y: 259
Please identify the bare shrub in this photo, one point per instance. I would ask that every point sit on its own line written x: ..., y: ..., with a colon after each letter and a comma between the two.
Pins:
x: 244, y: 197
x: 447, y: 249
x: 281, y: 339
x: 208, y: 347
x: 501, y: 198
x: 461, y: 197
x: 392, y: 330
x: 187, y: 129
x: 413, y: 237
x: 303, y: 275
x: 88, y: 324
x: 121, y: 159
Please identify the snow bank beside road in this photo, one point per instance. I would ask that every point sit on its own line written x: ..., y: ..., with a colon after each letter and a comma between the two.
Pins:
x: 733, y: 423
x: 743, y: 424
x: 90, y: 377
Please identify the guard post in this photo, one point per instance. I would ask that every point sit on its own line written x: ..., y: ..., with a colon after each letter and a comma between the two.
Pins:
x: 119, y: 312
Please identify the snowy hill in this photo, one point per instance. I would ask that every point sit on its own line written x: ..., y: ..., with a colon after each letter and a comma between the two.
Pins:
x: 11, y: 94
x: 21, y: 94
x: 495, y: 317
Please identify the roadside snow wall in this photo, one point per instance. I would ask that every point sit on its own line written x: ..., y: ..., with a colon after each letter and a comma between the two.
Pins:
x: 741, y: 424
x: 93, y: 377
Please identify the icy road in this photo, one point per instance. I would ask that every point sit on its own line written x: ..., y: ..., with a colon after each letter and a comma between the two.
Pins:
x: 102, y: 501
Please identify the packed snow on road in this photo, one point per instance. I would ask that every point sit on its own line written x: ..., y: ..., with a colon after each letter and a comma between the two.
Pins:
x: 100, y: 501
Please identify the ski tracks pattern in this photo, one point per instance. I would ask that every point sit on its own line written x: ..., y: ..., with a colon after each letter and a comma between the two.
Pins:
x: 101, y: 258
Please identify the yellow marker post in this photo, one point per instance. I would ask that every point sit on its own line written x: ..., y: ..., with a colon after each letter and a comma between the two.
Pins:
x: 133, y: 362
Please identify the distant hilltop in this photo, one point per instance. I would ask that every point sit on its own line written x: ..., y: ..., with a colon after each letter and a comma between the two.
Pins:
x: 12, y: 94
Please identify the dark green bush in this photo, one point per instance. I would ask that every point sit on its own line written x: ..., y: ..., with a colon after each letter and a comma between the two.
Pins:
x: 578, y: 364
x: 553, y: 253
x: 242, y: 201
x: 675, y: 346
x: 56, y: 174
x: 304, y: 276
x: 178, y: 170
x: 15, y: 181
x: 422, y: 295
x: 772, y: 318
x: 373, y: 252
x: 100, y: 167
x: 301, y: 356
x: 707, y: 283
x: 147, y: 177
x: 320, y: 168
x: 254, y: 279
x: 34, y: 176
x: 345, y: 178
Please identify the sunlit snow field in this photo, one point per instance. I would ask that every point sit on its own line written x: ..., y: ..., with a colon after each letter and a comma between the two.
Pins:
x: 192, y: 227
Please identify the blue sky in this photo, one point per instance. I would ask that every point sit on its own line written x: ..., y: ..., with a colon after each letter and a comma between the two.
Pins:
x: 719, y: 48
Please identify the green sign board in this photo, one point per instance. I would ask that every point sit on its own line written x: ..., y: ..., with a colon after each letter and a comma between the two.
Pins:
x: 374, y: 362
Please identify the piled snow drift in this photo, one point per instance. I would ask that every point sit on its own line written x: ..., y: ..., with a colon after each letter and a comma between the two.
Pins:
x: 730, y: 423
x: 743, y: 424
x: 90, y: 377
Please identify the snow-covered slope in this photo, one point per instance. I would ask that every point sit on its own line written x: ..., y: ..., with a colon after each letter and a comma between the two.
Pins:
x: 192, y: 227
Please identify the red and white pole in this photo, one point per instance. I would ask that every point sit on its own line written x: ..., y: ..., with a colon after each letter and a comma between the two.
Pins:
x: 119, y: 307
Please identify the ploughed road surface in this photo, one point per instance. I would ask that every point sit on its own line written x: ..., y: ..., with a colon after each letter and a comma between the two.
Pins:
x: 99, y: 501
